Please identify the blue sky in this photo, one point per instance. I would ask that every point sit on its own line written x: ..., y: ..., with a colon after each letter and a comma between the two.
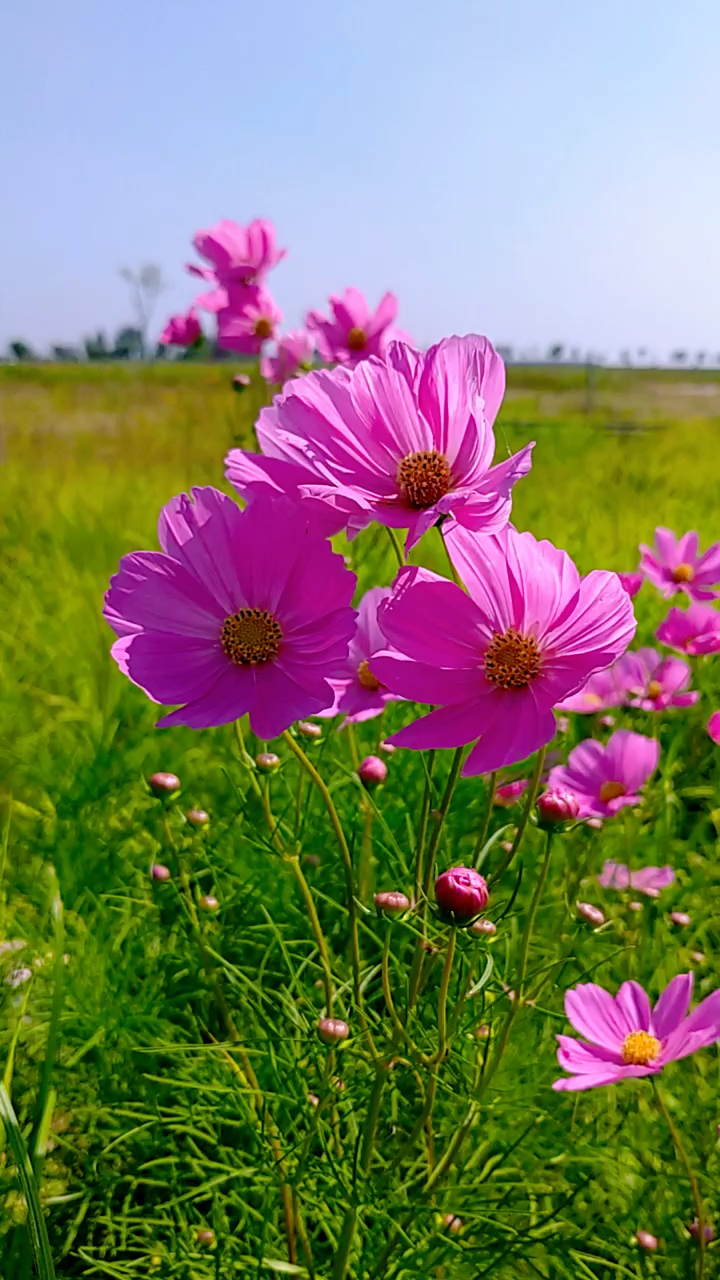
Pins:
x: 538, y: 171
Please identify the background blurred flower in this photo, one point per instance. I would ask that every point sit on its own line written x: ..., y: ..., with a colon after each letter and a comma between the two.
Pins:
x: 510, y: 792
x: 359, y: 695
x: 658, y: 682
x: 294, y: 349
x: 694, y: 630
x: 181, y: 330
x: 648, y: 880
x: 248, y: 320
x: 238, y: 255
x: 713, y: 727
x: 354, y: 332
x: 673, y: 564
x: 632, y: 582
x: 607, y: 778
x: 604, y: 689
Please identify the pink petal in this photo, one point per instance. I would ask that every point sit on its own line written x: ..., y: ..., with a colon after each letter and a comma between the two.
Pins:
x: 450, y: 726
x: 456, y: 637
x: 585, y: 1059
x: 634, y: 1005
x: 593, y: 1012
x: 420, y: 682
x: 518, y: 728
x: 672, y: 1006
x: 170, y: 669
x: 229, y: 698
x: 281, y: 700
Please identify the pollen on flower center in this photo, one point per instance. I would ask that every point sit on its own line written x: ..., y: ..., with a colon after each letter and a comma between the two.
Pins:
x: 366, y: 677
x: 356, y: 340
x: 263, y: 328
x: 654, y: 689
x: 611, y: 791
x: 683, y: 573
x: 512, y: 660
x: 640, y: 1048
x: 250, y: 637
x: 424, y: 477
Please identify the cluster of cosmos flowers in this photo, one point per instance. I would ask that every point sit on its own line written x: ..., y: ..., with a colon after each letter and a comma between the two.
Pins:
x: 249, y: 611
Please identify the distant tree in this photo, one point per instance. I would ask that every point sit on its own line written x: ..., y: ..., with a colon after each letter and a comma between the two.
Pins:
x: 146, y: 284
x: 19, y: 350
x: 575, y: 355
x: 642, y: 353
x: 97, y: 348
x: 506, y: 353
x: 700, y: 358
x: 625, y: 359
x: 65, y: 355
x: 556, y: 351
x: 128, y: 344
x: 679, y: 357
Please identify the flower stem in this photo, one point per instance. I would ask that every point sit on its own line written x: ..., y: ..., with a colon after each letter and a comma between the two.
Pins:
x: 422, y: 833
x: 453, y: 571
x: 367, y: 1144
x: 442, y: 999
x: 482, y: 833
x: 396, y: 546
x: 320, y: 940
x: 429, y: 867
x: 694, y: 1185
x: 531, y: 796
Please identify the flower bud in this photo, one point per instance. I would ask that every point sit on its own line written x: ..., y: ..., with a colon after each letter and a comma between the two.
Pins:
x: 208, y: 903
x: 680, y: 918
x: 388, y: 748
x: 372, y: 772
x: 332, y: 1030
x: 563, y: 724
x: 485, y: 927
x: 16, y: 977
x: 241, y: 382
x: 557, y: 806
x: 646, y: 1241
x: 159, y: 871
x: 594, y: 823
x: 461, y: 893
x: 308, y: 729
x: 482, y: 1032
x: 697, y: 957
x: 635, y: 906
x: 197, y: 817
x: 163, y: 785
x: 313, y: 1100
x: 506, y: 846
x: 267, y: 761
x: 392, y: 903
x: 452, y: 1223
x: 694, y: 1229
x: 205, y: 1237
x: 607, y: 722
x: 593, y: 915
x: 510, y: 793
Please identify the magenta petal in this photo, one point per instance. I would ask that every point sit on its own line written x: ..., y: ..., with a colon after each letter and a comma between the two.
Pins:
x: 672, y: 1006
x: 634, y: 1005
x: 281, y: 700
x: 593, y: 1012
x: 519, y: 727
x: 170, y: 669
x: 231, y: 697
x: 451, y: 726
x: 574, y: 1084
x: 577, y: 1056
x: 419, y: 682
x: 456, y: 636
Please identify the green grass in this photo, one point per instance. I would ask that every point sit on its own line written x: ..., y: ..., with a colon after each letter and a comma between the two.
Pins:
x: 144, y: 1125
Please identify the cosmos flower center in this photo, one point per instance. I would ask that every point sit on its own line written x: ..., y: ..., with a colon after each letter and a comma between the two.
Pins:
x: 654, y: 689
x: 424, y: 477
x: 263, y: 328
x: 640, y: 1048
x: 512, y: 660
x: 356, y: 339
x: 683, y: 573
x: 250, y: 637
x: 366, y: 677
x: 611, y: 791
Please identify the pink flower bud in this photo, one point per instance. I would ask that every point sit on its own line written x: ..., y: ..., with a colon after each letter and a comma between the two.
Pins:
x: 483, y: 927
x: 392, y: 903
x: 635, y: 906
x: 646, y: 1241
x: 267, y: 761
x: 164, y: 784
x: 694, y: 1229
x: 197, y: 817
x: 506, y: 846
x: 388, y: 748
x: 563, y: 724
x: 208, y: 903
x: 372, y: 771
x: 593, y: 915
x: 594, y: 823
x: 308, y: 729
x: 607, y: 722
x: 241, y: 382
x: 332, y: 1030
x: 452, y: 1223
x: 510, y: 793
x: 462, y: 893
x: 697, y: 957
x: 557, y: 806
x: 482, y: 1032
x: 680, y: 918
x: 312, y: 859
x: 313, y: 1100
x: 205, y: 1237
x: 159, y: 872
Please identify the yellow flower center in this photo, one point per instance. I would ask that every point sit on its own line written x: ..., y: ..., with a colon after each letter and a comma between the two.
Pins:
x: 654, y: 689
x: 263, y: 327
x: 683, y: 573
x: 366, y: 677
x: 640, y: 1048
x: 611, y: 791
x: 424, y: 477
x: 356, y: 340
x: 512, y: 660
x: 250, y: 636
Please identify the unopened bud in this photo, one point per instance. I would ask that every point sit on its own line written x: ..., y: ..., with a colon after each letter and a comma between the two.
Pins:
x: 241, y: 382
x: 388, y: 748
x: 452, y: 1223
x: 332, y: 1030
x: 392, y: 903
x: 697, y: 957
x: 482, y: 1032
x: 312, y: 859
x: 461, y: 893
x: 208, y: 903
x: 372, y: 772
x: 267, y: 761
x: 159, y: 871
x: 205, y: 1237
x: 197, y: 817
x: 593, y: 915
x: 506, y: 846
x: 510, y: 793
x: 680, y: 918
x: 694, y: 1229
x: 555, y: 807
x: 646, y: 1241
x: 563, y: 724
x: 607, y: 722
x: 313, y: 1100
x: 635, y: 906
x: 483, y: 927
x: 594, y: 823
x: 308, y: 729
x: 164, y: 784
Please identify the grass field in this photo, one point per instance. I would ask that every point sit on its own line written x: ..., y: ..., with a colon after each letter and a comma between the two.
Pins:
x: 143, y: 1119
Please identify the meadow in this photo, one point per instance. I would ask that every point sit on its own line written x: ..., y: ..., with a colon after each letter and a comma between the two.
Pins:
x: 161, y: 1055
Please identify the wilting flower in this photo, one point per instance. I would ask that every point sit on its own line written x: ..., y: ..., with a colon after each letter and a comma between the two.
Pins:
x: 632, y: 582
x: 658, y: 682
x: 354, y: 332
x: 674, y: 565
x: 248, y: 320
x: 461, y: 892
x: 496, y: 660
x: 648, y: 880
x: 293, y: 350
x: 181, y: 330
x: 713, y: 727
x: 607, y: 778
x: 627, y: 1037
x: 510, y: 792
x: 239, y: 255
x: 604, y: 689
x: 405, y: 442
x: 359, y: 695
x: 695, y: 630
x: 242, y: 612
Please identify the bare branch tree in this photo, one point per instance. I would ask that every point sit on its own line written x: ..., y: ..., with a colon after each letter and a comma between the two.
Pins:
x: 146, y: 284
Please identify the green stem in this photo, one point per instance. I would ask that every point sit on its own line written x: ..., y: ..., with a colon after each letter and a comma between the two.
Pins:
x: 482, y: 833
x: 442, y: 999
x: 694, y: 1185
x: 428, y: 871
x: 367, y: 1144
x: 453, y: 571
x: 530, y: 923
x: 531, y: 797
x: 399, y: 556
x: 320, y: 939
x: 422, y: 833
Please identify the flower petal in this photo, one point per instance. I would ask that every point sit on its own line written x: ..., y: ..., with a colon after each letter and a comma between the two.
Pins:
x: 672, y: 1006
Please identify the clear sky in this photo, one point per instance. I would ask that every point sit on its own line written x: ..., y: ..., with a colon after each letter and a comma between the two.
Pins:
x: 538, y: 170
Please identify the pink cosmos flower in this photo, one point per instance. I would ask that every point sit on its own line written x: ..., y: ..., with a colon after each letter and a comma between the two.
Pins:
x: 713, y: 727
x: 181, y: 330
x: 674, y: 565
x: 649, y: 880
x: 249, y: 319
x: 695, y: 630
x: 510, y: 792
x: 658, y: 682
x: 626, y: 1037
x: 354, y: 333
x: 359, y: 695
x: 238, y: 255
x: 632, y: 582
x: 607, y: 778
x: 604, y: 689
x: 497, y: 660
x: 405, y: 442
x: 241, y: 611
x: 293, y: 350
